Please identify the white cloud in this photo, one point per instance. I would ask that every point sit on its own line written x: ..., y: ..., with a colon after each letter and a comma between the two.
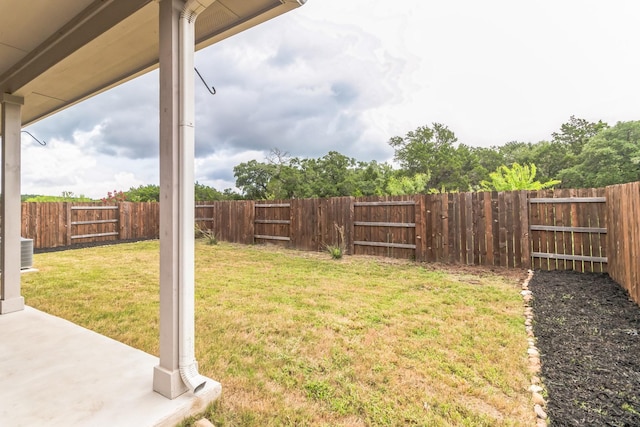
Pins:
x: 78, y: 166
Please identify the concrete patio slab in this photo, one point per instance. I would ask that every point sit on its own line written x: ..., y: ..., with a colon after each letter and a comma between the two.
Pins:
x: 56, y: 373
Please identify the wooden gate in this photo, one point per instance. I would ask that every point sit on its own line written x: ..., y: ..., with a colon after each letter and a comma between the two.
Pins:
x: 385, y: 227
x: 567, y: 229
x: 91, y: 222
x: 272, y: 222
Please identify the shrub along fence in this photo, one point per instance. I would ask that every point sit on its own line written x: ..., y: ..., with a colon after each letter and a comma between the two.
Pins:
x: 584, y: 230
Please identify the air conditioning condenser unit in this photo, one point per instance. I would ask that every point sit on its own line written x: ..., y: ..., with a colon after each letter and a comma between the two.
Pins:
x: 26, y: 253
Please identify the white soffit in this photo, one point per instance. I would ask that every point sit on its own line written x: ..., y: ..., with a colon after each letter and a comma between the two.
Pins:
x: 58, y: 53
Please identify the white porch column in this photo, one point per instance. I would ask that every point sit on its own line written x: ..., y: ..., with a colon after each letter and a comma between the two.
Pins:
x: 178, y: 369
x: 166, y: 376
x: 10, y: 298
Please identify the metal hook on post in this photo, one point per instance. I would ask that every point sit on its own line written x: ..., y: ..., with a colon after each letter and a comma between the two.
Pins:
x: 211, y: 90
x: 43, y: 143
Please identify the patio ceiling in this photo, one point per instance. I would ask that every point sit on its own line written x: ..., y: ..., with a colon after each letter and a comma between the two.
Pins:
x: 57, y: 53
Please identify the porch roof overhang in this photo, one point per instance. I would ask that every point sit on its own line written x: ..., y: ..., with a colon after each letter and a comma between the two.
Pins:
x: 57, y: 53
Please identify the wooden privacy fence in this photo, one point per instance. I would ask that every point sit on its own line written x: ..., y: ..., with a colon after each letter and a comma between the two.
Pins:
x: 52, y: 225
x: 470, y: 228
x: 623, y: 236
x: 584, y: 230
x: 507, y: 229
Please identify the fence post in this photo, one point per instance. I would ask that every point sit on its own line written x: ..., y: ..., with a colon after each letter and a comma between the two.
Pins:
x: 468, y: 225
x: 420, y: 238
x: 123, y: 213
x: 293, y: 206
x: 350, y: 225
x: 525, y: 237
x: 68, y: 227
x: 251, y: 222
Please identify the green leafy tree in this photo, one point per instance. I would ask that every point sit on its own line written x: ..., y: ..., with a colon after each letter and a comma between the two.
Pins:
x: 466, y: 171
x: 577, y: 132
x: 610, y: 157
x: 432, y: 150
x: 151, y: 193
x: 332, y: 175
x: 205, y: 193
x: 285, y: 182
x: 277, y: 178
x: 516, y: 152
x: 231, y: 194
x: 486, y: 160
x: 289, y: 182
x: 517, y: 177
x: 550, y: 158
x: 253, y: 177
x: 144, y: 193
x: 371, y: 178
x: 404, y: 185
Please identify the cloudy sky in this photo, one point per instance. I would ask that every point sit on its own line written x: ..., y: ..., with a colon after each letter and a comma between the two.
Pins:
x: 349, y: 75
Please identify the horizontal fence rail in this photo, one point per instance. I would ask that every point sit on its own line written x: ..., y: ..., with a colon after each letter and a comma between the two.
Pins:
x: 584, y: 230
x: 574, y: 229
x: 568, y: 199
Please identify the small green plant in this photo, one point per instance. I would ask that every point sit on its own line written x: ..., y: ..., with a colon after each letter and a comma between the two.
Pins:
x: 336, y: 251
x: 318, y: 390
x: 516, y: 177
x: 208, y: 235
x: 629, y: 408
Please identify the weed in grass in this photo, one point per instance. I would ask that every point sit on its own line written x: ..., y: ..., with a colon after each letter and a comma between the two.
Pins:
x: 336, y: 251
x: 209, y: 236
x: 318, y: 390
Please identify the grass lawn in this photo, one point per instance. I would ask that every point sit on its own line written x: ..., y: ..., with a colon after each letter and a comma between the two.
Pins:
x: 300, y: 339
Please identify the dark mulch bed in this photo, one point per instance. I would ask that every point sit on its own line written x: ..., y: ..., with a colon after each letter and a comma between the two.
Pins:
x: 588, y: 333
x: 85, y: 245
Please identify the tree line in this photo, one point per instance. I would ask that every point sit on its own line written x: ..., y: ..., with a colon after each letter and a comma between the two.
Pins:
x: 581, y: 154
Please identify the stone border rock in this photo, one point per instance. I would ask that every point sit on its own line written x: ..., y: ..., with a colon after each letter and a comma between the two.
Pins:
x: 203, y: 422
x: 536, y: 387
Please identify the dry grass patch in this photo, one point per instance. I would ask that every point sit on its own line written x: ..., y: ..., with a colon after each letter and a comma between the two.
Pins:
x: 300, y: 339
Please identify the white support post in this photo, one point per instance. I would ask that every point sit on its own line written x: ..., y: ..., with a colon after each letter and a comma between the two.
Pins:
x: 178, y: 368
x: 166, y: 376
x: 10, y: 298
